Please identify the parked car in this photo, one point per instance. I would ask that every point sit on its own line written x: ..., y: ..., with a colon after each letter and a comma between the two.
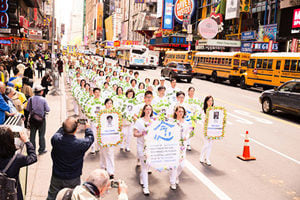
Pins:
x: 285, y: 98
x: 178, y: 70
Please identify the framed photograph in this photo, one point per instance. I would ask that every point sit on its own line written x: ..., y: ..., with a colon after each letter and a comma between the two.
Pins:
x: 109, y: 128
x: 215, y: 121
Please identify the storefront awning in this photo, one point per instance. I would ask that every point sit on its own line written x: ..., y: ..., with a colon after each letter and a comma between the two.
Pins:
x: 221, y: 44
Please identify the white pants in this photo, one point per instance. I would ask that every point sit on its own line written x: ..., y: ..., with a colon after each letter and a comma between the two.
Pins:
x: 175, y: 173
x: 206, y: 149
x: 127, y: 131
x: 144, y: 172
x: 95, y: 145
x: 76, y: 110
x: 107, y: 159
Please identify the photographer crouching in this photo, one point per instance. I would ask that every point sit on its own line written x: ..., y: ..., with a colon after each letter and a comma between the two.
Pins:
x: 95, y: 187
x: 67, y: 156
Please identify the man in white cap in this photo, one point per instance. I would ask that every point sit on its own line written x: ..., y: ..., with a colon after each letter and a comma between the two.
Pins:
x: 37, y: 107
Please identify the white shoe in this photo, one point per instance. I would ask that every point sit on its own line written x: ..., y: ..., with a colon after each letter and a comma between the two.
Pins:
x: 189, y: 148
x: 201, y: 160
x: 138, y: 164
x: 92, y: 152
x: 146, y: 191
x: 208, y: 162
x: 149, y: 171
x: 127, y: 150
x: 173, y: 186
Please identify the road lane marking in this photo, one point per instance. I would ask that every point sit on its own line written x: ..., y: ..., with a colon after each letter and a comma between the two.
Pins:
x: 241, y: 120
x: 211, y: 186
x: 259, y: 113
x: 261, y: 120
x: 229, y: 122
x: 271, y: 149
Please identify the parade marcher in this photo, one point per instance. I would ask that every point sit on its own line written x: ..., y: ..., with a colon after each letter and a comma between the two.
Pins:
x: 207, y: 147
x: 8, y: 154
x: 128, y: 119
x: 37, y: 107
x: 185, y: 129
x: 171, y: 91
x: 140, y: 130
x: 161, y: 96
x: 67, y: 156
x: 92, y: 109
x: 107, y: 153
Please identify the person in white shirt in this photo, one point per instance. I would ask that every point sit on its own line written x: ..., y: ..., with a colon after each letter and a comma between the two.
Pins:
x: 207, y: 147
x: 185, y: 129
x: 171, y: 91
x: 140, y: 130
x: 161, y: 95
x: 179, y: 102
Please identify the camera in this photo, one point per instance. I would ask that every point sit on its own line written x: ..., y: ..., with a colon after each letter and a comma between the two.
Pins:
x: 82, y: 121
x: 114, y: 184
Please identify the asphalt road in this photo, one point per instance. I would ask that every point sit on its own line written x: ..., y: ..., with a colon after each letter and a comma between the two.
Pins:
x: 274, y: 142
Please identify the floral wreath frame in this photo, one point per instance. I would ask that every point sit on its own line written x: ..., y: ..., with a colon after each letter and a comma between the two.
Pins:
x: 206, y: 123
x: 106, y: 111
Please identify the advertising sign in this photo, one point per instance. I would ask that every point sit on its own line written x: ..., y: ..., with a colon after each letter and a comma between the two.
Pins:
x: 215, y: 122
x: 99, y: 28
x: 267, y: 33
x: 162, y: 145
x: 208, y: 28
x: 232, y: 9
x: 159, y: 8
x: 246, y: 47
x: 109, y: 128
x: 263, y: 46
x: 296, y: 19
x: 3, y: 15
x: 294, y: 45
x: 183, y: 7
x: 167, y: 19
x: 109, y: 28
x: 249, y: 35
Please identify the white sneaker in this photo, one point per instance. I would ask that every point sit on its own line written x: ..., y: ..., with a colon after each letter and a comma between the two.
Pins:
x: 138, y: 164
x: 146, y: 191
x: 149, y: 171
x: 201, y: 160
x: 127, y: 150
x: 189, y: 148
x: 173, y: 186
x: 208, y: 162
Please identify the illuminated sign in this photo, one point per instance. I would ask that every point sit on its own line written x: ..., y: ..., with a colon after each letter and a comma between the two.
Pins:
x: 3, y: 15
x: 264, y: 46
x: 117, y: 43
x: 183, y: 7
x: 296, y: 19
x: 167, y: 19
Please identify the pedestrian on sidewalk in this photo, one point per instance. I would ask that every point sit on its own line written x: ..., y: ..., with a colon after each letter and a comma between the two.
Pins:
x: 37, y: 107
x: 95, y: 187
x: 4, y: 107
x: 8, y: 152
x: 67, y: 156
x: 46, y: 82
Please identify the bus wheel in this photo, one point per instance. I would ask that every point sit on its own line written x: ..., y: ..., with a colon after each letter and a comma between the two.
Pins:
x: 233, y: 82
x: 266, y: 106
x: 214, y: 77
x: 243, y: 83
x: 189, y: 80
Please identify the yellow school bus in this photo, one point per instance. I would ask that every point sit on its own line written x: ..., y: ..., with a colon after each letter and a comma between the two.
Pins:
x: 271, y: 69
x: 220, y: 66
x: 179, y: 56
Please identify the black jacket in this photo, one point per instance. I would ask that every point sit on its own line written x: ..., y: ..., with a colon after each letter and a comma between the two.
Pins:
x: 68, y: 152
x: 19, y: 162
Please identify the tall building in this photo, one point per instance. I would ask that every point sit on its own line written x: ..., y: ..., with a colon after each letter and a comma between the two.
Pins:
x: 76, y: 20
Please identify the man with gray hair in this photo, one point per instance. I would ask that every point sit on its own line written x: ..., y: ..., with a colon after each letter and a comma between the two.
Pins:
x: 95, y: 187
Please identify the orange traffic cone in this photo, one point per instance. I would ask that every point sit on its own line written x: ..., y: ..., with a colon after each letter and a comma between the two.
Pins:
x: 246, y: 153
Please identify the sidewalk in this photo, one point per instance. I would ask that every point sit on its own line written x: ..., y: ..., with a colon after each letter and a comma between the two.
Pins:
x: 39, y: 174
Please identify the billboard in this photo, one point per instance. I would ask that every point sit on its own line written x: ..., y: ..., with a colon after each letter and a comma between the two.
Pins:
x: 109, y: 28
x: 296, y: 19
x: 99, y: 28
x: 183, y: 7
x: 232, y: 9
x: 168, y: 15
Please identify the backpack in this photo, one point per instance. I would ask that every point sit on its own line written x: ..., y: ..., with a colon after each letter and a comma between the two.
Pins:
x: 8, y: 186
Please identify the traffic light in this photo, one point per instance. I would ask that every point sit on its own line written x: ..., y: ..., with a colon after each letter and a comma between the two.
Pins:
x: 244, y: 5
x: 12, y: 14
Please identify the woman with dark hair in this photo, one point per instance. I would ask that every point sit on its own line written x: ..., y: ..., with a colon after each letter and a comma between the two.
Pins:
x: 128, y: 113
x: 185, y: 133
x: 46, y: 82
x: 107, y: 160
x: 139, y: 131
x: 8, y: 152
x: 206, y: 149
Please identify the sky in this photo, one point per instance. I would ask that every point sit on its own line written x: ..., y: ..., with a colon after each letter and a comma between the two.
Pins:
x: 62, y: 13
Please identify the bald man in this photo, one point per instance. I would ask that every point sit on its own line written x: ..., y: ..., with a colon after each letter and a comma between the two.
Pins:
x: 4, y: 107
x: 67, y: 156
x: 95, y: 187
